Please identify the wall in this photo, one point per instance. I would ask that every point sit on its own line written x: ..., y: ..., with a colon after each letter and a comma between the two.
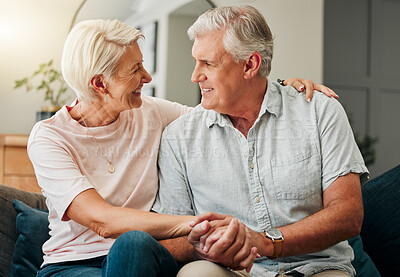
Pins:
x: 149, y: 14
x: 39, y: 29
x: 297, y: 26
x: 362, y: 64
x: 31, y: 33
x: 180, y: 64
x: 29, y: 36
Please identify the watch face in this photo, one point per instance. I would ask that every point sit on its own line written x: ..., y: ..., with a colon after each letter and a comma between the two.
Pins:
x: 273, y: 233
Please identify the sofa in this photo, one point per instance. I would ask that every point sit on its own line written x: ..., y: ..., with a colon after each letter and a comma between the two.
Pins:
x: 23, y: 229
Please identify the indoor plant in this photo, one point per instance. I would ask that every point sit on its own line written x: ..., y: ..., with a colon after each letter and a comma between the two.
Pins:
x: 49, y: 80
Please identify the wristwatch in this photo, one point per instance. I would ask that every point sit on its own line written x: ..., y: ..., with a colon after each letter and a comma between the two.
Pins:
x: 277, y: 240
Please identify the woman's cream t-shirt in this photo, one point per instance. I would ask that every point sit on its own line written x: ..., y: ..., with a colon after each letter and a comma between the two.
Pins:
x: 67, y: 161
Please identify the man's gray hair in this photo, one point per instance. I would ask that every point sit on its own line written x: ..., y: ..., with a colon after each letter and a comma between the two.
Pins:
x: 246, y: 32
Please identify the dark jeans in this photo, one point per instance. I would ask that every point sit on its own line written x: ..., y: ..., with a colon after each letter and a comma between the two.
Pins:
x: 134, y: 253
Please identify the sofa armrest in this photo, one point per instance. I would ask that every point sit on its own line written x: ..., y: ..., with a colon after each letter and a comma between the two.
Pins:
x: 8, y: 232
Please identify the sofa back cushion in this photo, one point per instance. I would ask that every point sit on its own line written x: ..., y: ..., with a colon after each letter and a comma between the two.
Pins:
x: 33, y: 232
x: 381, y: 227
x: 8, y: 232
x: 362, y: 263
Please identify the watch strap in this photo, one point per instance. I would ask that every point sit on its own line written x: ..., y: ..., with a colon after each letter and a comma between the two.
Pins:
x: 277, y: 241
x: 278, y: 245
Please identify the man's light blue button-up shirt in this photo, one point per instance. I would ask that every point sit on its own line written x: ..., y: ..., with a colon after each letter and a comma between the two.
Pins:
x: 275, y: 177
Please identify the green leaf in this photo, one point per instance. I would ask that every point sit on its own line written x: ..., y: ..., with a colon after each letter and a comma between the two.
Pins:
x: 37, y: 72
x: 19, y: 83
x: 43, y: 85
x: 42, y: 67
x: 52, y: 79
x: 47, y: 79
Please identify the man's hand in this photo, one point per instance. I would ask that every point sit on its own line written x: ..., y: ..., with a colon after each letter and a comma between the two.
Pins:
x: 310, y: 86
x: 223, y: 240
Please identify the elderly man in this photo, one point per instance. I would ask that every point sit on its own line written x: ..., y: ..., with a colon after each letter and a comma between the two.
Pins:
x: 286, y: 171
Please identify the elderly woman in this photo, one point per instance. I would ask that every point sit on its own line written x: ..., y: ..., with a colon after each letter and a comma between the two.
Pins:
x: 96, y: 161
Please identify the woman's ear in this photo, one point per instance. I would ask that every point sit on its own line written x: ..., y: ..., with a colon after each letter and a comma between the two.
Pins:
x: 97, y: 83
x: 252, y: 65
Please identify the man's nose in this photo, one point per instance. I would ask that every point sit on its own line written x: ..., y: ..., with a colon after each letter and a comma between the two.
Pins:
x: 198, y: 76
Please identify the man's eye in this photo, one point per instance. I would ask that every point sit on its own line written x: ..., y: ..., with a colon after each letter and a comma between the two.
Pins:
x: 137, y: 69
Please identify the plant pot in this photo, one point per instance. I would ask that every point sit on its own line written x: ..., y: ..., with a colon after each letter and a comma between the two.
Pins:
x: 51, y: 108
x: 43, y: 115
x: 46, y: 112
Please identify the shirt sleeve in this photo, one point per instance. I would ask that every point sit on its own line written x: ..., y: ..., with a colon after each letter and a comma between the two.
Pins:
x: 174, y: 195
x: 169, y: 111
x: 57, y: 173
x: 340, y: 153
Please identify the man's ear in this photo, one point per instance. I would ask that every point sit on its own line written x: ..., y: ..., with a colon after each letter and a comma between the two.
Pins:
x: 97, y: 83
x: 252, y: 65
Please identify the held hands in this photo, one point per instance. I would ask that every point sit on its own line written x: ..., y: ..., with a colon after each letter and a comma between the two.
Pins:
x: 225, y: 240
x: 300, y: 84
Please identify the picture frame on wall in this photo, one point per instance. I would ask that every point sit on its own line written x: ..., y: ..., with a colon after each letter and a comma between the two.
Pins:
x: 149, y: 46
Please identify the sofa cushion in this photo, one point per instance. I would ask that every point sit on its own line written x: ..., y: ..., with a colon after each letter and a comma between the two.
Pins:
x: 362, y: 263
x: 8, y: 232
x: 381, y: 226
x: 32, y: 227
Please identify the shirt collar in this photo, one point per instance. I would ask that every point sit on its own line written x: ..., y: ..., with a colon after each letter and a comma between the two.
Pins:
x: 216, y: 118
x: 272, y: 100
x: 272, y: 103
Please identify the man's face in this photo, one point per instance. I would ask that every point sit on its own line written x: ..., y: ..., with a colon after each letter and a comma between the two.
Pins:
x: 221, y: 80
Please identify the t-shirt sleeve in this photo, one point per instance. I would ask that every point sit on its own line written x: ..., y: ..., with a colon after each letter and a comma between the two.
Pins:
x: 174, y: 195
x: 340, y: 153
x: 57, y: 173
x: 169, y: 111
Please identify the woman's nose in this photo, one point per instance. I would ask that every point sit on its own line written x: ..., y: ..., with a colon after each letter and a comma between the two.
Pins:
x: 146, y: 78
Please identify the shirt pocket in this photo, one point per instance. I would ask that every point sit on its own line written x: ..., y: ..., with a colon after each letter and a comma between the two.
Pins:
x: 297, y: 175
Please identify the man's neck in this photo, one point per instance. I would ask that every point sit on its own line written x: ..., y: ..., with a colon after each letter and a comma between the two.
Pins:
x: 242, y: 124
x: 245, y: 119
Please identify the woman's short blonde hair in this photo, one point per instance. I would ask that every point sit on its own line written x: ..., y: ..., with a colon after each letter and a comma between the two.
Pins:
x: 94, y: 47
x: 246, y: 32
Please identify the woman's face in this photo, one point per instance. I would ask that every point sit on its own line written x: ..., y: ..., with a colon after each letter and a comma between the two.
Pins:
x: 124, y: 90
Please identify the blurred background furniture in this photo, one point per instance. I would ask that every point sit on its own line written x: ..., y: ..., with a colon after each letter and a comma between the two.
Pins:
x: 16, y: 170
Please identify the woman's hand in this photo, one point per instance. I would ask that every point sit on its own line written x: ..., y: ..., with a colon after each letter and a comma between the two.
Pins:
x: 310, y: 86
x: 223, y: 239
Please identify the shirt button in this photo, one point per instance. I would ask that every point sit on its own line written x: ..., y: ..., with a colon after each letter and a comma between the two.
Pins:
x: 258, y: 199
x: 251, y: 166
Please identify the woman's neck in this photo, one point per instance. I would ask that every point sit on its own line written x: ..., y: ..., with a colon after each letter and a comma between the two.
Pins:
x: 92, y: 114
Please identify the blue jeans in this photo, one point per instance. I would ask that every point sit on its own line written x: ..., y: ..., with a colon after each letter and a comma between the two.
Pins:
x: 134, y: 253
